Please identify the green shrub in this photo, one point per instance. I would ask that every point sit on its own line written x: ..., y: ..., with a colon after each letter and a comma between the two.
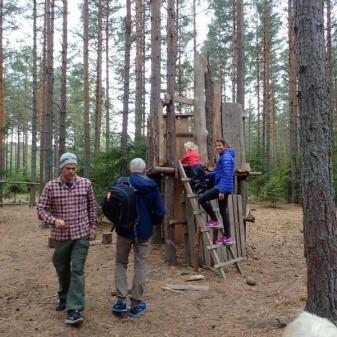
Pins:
x: 12, y: 188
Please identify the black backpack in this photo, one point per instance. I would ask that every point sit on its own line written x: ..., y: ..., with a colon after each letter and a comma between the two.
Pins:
x: 119, y: 205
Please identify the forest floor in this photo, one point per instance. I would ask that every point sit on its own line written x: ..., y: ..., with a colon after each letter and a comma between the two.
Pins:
x: 230, y: 308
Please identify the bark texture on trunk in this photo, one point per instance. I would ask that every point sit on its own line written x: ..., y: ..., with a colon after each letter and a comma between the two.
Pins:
x: 86, y: 126
x: 170, y: 133
x: 320, y: 227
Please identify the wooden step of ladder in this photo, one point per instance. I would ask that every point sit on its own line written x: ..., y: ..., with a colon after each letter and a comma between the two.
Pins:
x: 201, y: 229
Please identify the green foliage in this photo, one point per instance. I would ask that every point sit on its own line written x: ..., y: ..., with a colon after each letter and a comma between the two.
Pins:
x: 273, y: 187
x: 11, y: 188
x: 106, y: 166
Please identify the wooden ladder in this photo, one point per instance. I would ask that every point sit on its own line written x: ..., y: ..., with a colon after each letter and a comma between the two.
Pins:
x: 211, y: 247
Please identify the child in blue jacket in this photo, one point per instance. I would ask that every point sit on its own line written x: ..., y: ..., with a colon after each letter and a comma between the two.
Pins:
x: 223, y: 179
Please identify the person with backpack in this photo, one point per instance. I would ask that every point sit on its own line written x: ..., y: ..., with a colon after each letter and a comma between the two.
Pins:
x: 150, y: 211
x: 68, y: 205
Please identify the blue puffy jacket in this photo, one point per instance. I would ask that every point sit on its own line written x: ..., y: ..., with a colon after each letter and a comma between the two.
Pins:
x: 150, y: 207
x: 223, y: 175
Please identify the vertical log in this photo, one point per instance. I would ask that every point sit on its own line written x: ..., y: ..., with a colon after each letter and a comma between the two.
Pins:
x: 86, y: 126
x: 34, y: 109
x: 170, y: 133
x: 200, y: 131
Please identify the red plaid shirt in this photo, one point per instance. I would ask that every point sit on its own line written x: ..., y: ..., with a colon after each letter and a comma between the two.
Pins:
x: 75, y: 205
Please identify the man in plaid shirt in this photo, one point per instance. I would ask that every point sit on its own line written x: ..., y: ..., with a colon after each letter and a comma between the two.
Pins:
x: 68, y: 204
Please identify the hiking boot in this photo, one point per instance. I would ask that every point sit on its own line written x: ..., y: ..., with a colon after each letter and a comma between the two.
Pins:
x: 138, y: 310
x: 61, y: 305
x: 213, y: 224
x: 120, y: 306
x: 74, y: 317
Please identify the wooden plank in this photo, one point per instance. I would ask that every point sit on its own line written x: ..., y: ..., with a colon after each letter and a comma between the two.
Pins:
x: 183, y: 100
x: 227, y: 263
x: 178, y: 99
x: 237, y: 264
x: 185, y: 232
x: 190, y: 231
x: 18, y: 182
x: 231, y: 213
x: 237, y: 244
x: 200, y: 131
x: 233, y: 133
x: 242, y: 228
x: 215, y: 246
x: 187, y: 287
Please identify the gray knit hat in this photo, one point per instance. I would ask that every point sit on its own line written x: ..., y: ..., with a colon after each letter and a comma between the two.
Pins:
x: 67, y: 158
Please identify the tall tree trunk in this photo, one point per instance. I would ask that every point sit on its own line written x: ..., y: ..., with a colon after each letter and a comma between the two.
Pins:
x: 86, y: 125
x: 42, y: 101
x: 293, y: 107
x: 11, y: 153
x: 18, y: 150
x: 319, y: 212
x: 258, y: 100
x: 266, y: 86
x: 63, y: 101
x: 99, y: 93
x: 235, y: 52
x: 107, y: 78
x: 25, y: 146
x: 329, y: 63
x: 139, y: 72
x: 34, y: 109
x: 209, y: 107
x: 124, y: 140
x: 240, y: 66
x: 144, y: 80
x: 179, y: 69
x: 2, y: 105
x: 155, y: 101
x: 48, y: 162
x: 170, y: 132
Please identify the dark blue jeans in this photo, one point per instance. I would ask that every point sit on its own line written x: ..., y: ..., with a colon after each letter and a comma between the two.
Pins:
x: 211, y: 194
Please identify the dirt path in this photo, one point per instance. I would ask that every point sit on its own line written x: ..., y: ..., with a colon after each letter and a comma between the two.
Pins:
x: 230, y: 308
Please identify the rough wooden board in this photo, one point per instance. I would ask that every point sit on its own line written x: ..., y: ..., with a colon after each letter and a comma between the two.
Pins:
x: 195, y: 278
x: 187, y: 287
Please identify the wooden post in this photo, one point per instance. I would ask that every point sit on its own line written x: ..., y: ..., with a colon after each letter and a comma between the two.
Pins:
x: 170, y: 133
x: 1, y: 194
x: 232, y: 126
x: 200, y: 131
x: 106, y: 238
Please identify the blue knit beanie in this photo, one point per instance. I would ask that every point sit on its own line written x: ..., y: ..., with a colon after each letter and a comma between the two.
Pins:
x: 67, y: 158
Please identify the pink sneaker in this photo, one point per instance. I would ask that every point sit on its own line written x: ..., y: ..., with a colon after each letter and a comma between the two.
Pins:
x: 220, y: 240
x: 227, y: 240
x: 213, y: 224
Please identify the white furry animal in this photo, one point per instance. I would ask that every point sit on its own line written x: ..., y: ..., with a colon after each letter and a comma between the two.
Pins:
x: 309, y: 325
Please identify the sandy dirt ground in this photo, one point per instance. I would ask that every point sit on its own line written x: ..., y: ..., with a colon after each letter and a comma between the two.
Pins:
x: 230, y: 308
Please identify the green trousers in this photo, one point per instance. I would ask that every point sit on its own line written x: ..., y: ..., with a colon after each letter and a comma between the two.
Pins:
x: 69, y: 260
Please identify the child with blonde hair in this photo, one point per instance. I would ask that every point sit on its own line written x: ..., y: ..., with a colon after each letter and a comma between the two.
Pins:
x: 191, y: 159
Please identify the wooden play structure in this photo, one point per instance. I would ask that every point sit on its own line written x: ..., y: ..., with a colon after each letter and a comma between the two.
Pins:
x: 211, y: 119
